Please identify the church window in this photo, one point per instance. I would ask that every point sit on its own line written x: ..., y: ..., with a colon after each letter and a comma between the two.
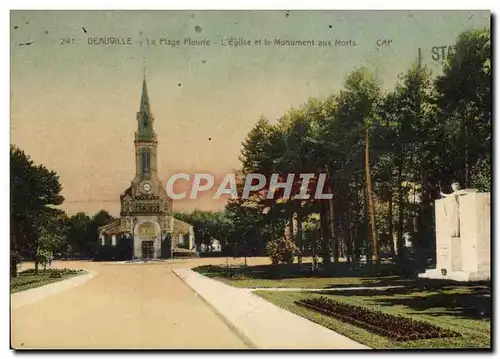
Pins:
x: 145, y: 161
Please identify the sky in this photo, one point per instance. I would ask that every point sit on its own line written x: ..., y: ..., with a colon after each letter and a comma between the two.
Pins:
x: 74, y: 104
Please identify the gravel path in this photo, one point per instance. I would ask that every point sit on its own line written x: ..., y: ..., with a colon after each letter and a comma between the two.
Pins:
x: 122, y: 307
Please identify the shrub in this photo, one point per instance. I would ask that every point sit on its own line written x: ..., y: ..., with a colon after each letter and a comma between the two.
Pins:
x: 43, y: 257
x: 185, y: 254
x: 55, y: 274
x: 27, y: 271
x: 281, y: 250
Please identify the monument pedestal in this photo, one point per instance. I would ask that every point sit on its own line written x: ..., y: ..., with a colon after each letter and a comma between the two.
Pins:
x: 460, y: 276
x: 467, y: 257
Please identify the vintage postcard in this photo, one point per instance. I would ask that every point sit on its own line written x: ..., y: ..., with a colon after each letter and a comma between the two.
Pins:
x: 282, y: 179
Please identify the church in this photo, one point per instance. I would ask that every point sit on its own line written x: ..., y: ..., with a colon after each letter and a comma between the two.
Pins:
x: 146, y: 211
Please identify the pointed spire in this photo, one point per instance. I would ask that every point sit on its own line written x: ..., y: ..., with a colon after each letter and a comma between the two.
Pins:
x: 145, y: 131
x: 145, y: 108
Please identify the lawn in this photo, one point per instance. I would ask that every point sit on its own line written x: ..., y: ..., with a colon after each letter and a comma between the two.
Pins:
x: 463, y: 308
x: 28, y: 279
x: 301, y: 276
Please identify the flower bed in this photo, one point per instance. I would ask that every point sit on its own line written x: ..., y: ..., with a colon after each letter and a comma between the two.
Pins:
x: 395, y: 327
x: 29, y: 279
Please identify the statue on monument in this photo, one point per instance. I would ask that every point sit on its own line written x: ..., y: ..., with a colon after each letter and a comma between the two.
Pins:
x: 452, y: 208
x: 452, y: 211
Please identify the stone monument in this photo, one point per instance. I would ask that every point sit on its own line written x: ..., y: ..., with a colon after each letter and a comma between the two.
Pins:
x: 462, y: 236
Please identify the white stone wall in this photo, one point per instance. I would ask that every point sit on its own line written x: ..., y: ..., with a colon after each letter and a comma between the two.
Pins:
x: 443, y: 238
x: 469, y: 253
x: 449, y: 248
x: 475, y: 231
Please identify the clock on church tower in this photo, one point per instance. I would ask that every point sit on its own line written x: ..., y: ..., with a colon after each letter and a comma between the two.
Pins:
x: 145, y: 187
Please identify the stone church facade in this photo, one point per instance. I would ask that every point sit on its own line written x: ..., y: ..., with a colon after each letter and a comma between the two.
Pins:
x: 146, y: 210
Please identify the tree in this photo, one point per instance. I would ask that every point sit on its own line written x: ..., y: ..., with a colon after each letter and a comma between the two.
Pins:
x: 209, y: 226
x: 359, y: 99
x: 78, y: 232
x: 385, y: 156
x: 99, y: 219
x: 33, y: 190
x: 53, y: 235
x: 408, y: 134
x: 43, y: 257
x: 464, y: 100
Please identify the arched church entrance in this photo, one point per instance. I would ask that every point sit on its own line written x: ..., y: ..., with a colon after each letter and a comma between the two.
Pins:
x: 147, y: 249
x: 147, y: 239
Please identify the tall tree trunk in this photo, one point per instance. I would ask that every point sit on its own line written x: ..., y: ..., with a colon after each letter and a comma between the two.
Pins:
x: 331, y: 212
x: 391, y: 226
x: 36, y: 256
x: 349, y: 244
x: 325, y: 233
x: 463, y: 153
x: 13, y: 251
x: 357, y: 241
x: 400, y: 229
x: 466, y: 150
x: 300, y: 243
x: 287, y: 232
x: 313, y: 250
x: 371, y: 204
x: 425, y: 214
x: 333, y: 239
x: 13, y: 268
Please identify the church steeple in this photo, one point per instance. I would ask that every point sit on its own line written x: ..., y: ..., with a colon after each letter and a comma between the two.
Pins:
x: 145, y: 117
x: 145, y: 108
x: 145, y: 140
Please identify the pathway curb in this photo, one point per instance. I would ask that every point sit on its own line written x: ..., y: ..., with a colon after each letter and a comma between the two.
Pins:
x: 261, y: 323
x: 231, y: 326
x: 319, y: 290
x: 25, y: 297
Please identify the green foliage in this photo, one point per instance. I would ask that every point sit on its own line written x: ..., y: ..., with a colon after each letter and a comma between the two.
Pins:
x: 53, y: 239
x: 281, y: 250
x: 33, y: 190
x: 55, y: 275
x: 464, y: 100
x: 83, y: 235
x: 258, y: 146
x: 185, y: 254
x: 207, y: 226
x: 43, y: 257
x: 481, y: 175
x: 426, y: 132
x: 361, y: 93
x: 121, y: 252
